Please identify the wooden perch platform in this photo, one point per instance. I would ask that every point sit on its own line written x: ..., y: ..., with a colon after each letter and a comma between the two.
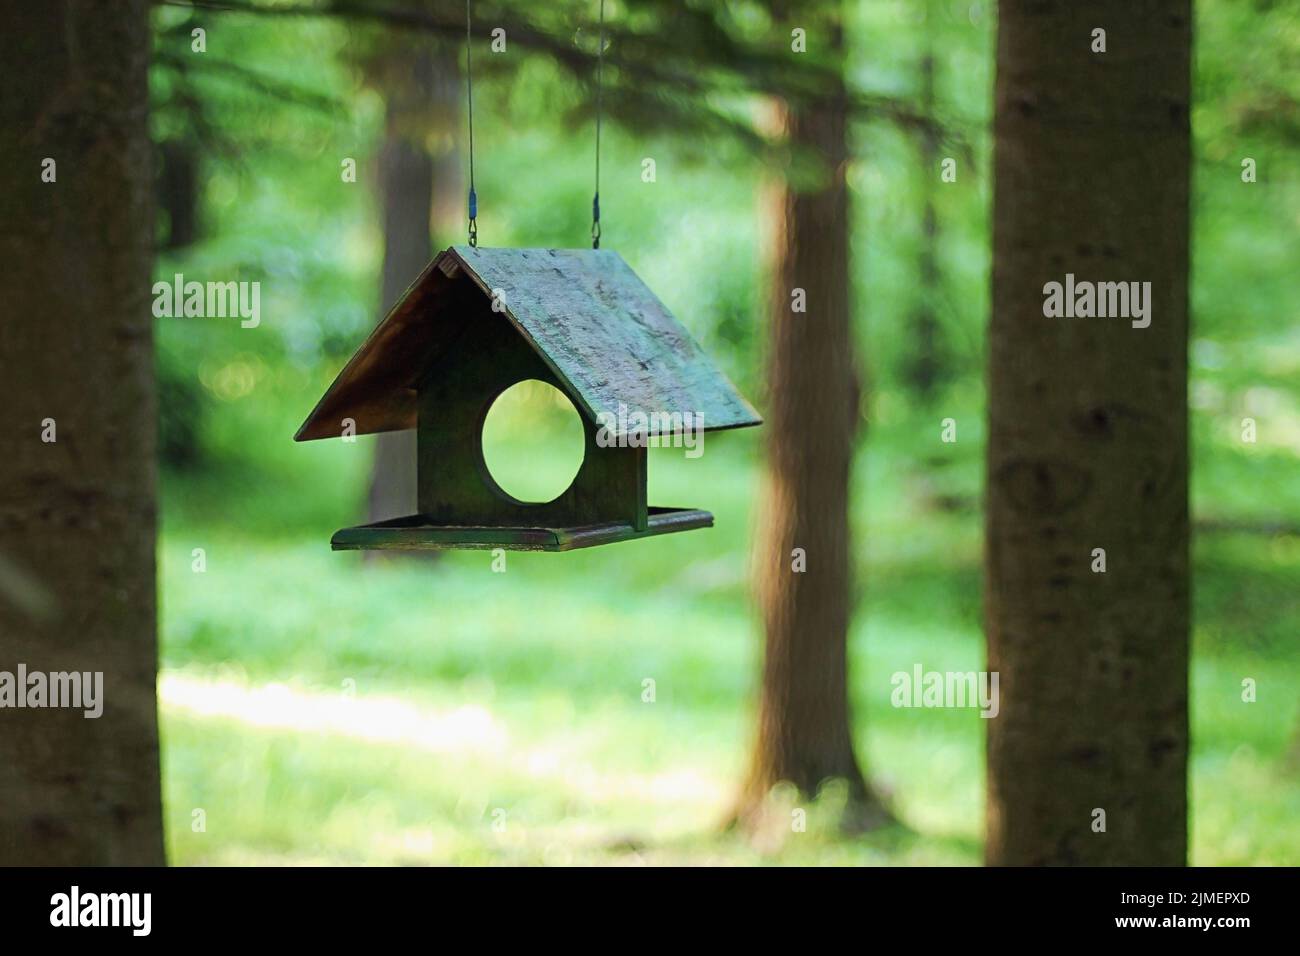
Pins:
x: 412, y: 533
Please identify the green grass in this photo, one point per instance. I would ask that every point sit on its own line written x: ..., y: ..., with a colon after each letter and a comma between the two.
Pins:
x: 324, y: 709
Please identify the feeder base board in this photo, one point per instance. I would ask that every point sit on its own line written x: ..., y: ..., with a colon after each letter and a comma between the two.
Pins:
x: 412, y: 533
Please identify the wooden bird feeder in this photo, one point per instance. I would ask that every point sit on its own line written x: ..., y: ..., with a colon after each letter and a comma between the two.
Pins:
x: 577, y: 319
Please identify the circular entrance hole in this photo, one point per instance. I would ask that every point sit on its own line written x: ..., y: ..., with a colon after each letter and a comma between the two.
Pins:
x: 533, y: 442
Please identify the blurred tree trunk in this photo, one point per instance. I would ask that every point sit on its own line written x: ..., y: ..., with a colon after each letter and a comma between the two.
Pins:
x: 804, y: 730
x: 77, y: 515
x: 926, y: 366
x: 419, y: 177
x: 1088, y: 439
x: 178, y: 191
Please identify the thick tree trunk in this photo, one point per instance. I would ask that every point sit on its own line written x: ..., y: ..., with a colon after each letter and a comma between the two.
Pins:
x: 804, y: 729
x: 419, y: 173
x: 1088, y: 439
x: 77, y: 514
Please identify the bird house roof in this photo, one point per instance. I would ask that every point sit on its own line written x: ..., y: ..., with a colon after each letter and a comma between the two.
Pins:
x: 584, y: 311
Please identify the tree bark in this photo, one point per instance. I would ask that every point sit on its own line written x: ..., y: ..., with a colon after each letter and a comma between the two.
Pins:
x: 422, y: 93
x: 77, y: 515
x: 804, y: 729
x: 1088, y: 439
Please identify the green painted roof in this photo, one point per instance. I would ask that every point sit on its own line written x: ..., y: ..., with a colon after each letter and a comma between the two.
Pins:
x: 587, y: 314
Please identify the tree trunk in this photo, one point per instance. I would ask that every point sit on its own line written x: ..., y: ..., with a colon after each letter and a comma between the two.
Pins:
x: 926, y: 365
x: 804, y: 730
x: 77, y: 514
x: 1088, y: 439
x: 178, y: 191
x: 422, y: 93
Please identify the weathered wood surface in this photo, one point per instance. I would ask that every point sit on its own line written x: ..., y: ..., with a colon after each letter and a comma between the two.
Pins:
x: 376, y: 389
x: 607, y: 334
x: 413, y: 533
x: 456, y: 392
x: 604, y: 334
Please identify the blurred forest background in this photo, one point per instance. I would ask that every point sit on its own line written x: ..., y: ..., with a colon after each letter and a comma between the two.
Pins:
x: 319, y: 707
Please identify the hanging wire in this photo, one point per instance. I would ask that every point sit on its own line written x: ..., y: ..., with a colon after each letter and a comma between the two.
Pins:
x: 600, y: 90
x: 469, y: 99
